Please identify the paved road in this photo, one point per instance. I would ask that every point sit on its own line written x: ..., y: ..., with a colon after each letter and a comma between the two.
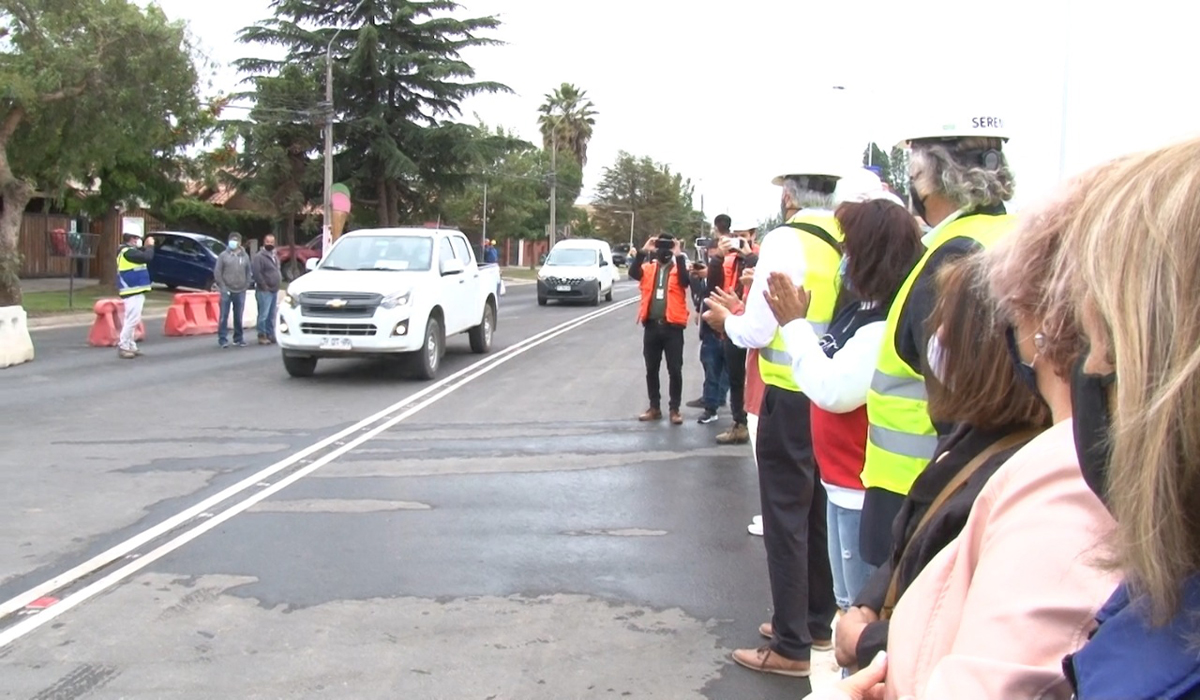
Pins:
x: 213, y: 528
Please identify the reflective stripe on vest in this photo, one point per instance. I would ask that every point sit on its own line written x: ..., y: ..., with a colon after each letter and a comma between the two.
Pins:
x: 677, y: 304
x: 821, y: 263
x: 132, y: 278
x: 901, y: 438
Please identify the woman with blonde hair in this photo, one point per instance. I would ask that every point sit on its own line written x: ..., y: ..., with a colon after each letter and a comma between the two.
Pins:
x: 1131, y: 264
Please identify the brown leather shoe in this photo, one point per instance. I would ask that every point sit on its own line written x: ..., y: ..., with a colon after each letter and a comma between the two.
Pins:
x: 737, y: 435
x: 676, y: 418
x: 764, y: 660
x: 650, y: 414
x: 768, y: 631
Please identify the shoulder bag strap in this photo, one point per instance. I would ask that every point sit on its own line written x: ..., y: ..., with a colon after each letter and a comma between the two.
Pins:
x: 816, y: 231
x: 951, y: 488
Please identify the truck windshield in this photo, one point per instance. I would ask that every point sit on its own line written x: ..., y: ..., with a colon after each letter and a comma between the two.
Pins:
x: 572, y: 257
x: 381, y: 253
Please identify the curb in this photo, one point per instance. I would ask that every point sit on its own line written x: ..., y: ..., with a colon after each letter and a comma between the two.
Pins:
x: 517, y: 282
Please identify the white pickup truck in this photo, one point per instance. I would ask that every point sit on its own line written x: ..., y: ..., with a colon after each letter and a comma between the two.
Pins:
x: 396, y: 292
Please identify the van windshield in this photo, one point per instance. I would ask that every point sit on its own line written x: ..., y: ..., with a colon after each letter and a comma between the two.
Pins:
x: 572, y: 257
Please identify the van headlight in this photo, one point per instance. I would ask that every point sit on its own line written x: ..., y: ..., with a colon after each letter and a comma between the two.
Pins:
x: 395, y: 299
x: 290, y: 301
x: 589, y: 278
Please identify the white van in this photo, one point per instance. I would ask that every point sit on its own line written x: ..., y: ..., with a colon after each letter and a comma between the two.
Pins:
x: 577, y: 270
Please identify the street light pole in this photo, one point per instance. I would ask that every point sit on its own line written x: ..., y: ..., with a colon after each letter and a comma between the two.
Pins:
x: 632, y: 218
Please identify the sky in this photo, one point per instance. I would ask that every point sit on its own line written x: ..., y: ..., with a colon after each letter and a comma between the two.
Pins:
x: 734, y: 95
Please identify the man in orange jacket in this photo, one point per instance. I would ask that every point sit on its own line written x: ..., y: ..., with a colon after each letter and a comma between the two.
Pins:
x: 661, y: 270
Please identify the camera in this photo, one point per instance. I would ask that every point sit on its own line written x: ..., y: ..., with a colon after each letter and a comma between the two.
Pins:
x: 665, y: 242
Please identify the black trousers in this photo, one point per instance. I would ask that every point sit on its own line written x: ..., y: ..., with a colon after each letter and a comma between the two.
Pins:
x: 735, y: 365
x: 875, y: 537
x: 663, y: 339
x: 795, y: 529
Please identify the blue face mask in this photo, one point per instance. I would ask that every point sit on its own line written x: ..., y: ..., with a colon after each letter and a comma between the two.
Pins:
x: 233, y: 245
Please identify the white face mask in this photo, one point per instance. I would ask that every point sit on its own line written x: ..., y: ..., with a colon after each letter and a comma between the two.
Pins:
x: 936, y: 357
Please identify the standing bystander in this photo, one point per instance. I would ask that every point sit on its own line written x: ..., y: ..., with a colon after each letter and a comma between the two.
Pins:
x: 267, y: 279
x: 232, y: 276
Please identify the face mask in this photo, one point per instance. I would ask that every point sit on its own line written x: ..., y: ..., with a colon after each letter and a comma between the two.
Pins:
x: 937, y: 359
x: 1024, y: 370
x: 269, y: 248
x: 1092, y: 423
x: 665, y: 255
x: 233, y: 245
x: 918, y: 204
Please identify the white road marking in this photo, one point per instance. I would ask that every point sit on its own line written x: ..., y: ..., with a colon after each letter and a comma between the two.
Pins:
x: 203, y: 508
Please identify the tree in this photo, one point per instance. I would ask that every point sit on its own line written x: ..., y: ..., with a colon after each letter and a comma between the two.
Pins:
x: 874, y: 155
x: 279, y: 139
x: 518, y: 202
x: 88, y: 89
x: 661, y: 201
x: 398, y: 74
x: 899, y: 176
x: 567, y: 118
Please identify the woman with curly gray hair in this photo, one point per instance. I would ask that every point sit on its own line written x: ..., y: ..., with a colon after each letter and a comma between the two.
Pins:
x: 960, y: 182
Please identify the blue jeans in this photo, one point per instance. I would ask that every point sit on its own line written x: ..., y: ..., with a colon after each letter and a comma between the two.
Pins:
x: 850, y: 572
x: 716, y: 378
x: 267, y: 303
x: 236, y: 300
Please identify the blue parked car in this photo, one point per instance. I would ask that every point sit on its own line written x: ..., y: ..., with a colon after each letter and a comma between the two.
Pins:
x: 184, y: 259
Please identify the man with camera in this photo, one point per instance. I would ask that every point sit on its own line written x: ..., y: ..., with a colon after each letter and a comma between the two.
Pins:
x: 661, y: 270
x: 739, y: 254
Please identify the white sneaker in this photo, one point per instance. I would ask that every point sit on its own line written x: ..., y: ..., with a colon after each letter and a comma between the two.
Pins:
x: 755, y: 529
x: 757, y: 520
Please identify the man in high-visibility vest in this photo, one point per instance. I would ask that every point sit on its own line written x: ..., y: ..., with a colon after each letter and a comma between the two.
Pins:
x: 133, y: 284
x: 807, y: 248
x: 960, y: 181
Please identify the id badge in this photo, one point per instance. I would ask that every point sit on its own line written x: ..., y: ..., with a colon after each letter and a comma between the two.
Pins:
x: 659, y: 294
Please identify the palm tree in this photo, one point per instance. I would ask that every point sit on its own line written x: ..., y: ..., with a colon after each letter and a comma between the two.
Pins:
x: 568, y: 115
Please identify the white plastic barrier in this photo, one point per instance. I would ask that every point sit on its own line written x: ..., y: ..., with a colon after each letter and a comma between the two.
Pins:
x: 250, y: 313
x: 16, y: 347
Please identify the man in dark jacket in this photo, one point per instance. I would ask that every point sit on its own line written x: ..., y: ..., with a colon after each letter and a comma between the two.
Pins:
x: 133, y: 283
x: 267, y: 279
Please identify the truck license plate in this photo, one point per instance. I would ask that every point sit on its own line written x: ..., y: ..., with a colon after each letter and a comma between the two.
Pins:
x: 335, y: 343
x: 564, y: 287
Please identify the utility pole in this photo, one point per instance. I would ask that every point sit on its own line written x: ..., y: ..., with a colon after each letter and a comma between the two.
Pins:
x: 701, y: 216
x: 485, y: 238
x: 327, y: 234
x: 554, y: 179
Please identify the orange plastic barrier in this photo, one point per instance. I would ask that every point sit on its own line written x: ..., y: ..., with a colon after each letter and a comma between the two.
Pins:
x: 106, y: 329
x: 192, y: 314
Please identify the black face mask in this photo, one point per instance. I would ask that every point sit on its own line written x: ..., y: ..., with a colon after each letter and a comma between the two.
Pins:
x: 1092, y: 421
x: 665, y: 255
x: 918, y: 204
x: 269, y: 248
x: 1025, y: 371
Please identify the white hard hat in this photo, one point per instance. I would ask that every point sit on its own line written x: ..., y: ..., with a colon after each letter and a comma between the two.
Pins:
x: 984, y: 125
x: 744, y: 226
x: 858, y: 186
x: 815, y: 171
x: 134, y: 234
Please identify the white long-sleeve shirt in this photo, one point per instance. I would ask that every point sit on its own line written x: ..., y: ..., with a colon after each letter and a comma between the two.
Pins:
x: 837, y: 384
x: 780, y: 251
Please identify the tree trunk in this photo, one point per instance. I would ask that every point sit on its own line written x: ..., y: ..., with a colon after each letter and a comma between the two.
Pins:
x: 393, y: 204
x: 382, y: 209
x: 16, y: 195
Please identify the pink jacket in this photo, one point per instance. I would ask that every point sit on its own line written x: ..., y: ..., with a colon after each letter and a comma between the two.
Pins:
x: 995, y: 612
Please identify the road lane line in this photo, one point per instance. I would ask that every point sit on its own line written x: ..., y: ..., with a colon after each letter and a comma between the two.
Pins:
x: 72, y: 600
x: 110, y: 555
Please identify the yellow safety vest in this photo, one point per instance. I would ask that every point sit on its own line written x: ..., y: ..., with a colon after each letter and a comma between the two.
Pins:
x: 821, y: 263
x: 901, y: 439
x: 132, y: 278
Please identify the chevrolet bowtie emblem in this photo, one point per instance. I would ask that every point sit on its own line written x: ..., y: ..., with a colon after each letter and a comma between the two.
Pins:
x: 336, y: 303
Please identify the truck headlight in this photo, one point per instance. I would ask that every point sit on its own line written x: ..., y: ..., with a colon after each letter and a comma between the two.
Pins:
x: 290, y: 301
x: 395, y: 299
